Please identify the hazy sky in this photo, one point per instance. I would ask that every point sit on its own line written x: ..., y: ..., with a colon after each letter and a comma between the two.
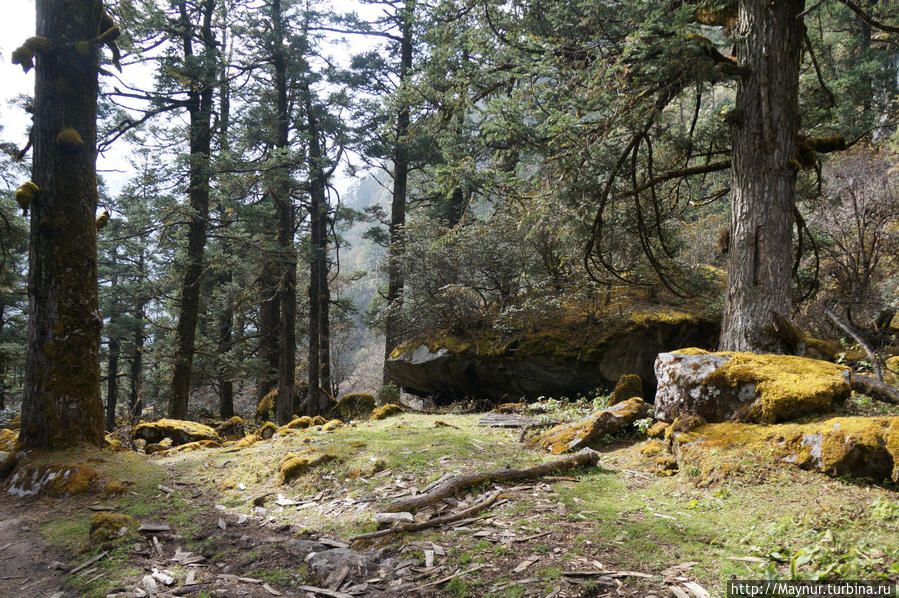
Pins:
x: 17, y: 24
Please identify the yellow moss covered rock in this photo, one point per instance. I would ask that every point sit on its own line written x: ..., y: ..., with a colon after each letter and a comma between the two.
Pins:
x: 730, y: 386
x: 386, y: 411
x: 318, y: 420
x: 179, y: 431
x: 231, y: 429
x: 584, y: 432
x: 267, y: 430
x: 861, y: 447
x: 51, y: 480
x: 294, y: 466
x: 657, y: 430
x: 893, y: 364
x: 8, y: 439
x: 297, y: 423
x: 332, y: 425
x: 354, y: 406
x: 194, y: 446
x: 115, y: 488
x: 629, y: 385
x: 109, y: 526
x: 112, y: 443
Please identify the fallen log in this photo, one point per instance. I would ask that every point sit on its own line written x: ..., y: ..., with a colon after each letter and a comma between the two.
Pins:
x: 436, y: 522
x: 454, y: 484
x: 874, y: 388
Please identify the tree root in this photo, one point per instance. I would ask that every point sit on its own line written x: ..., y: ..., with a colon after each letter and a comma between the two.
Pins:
x: 874, y: 388
x: 436, y: 522
x: 454, y: 484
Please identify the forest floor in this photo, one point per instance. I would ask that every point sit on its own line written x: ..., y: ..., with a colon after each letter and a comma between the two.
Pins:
x: 617, y: 529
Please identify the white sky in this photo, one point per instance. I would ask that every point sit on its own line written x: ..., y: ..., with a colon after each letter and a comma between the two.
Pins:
x: 18, y: 24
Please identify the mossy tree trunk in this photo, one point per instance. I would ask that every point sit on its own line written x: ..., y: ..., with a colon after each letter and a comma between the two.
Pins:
x: 62, y: 404
x: 201, y: 71
x: 395, y: 278
x: 769, y: 43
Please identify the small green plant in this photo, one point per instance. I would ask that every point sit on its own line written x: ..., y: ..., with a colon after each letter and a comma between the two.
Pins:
x: 389, y: 393
x: 885, y: 510
x: 643, y: 425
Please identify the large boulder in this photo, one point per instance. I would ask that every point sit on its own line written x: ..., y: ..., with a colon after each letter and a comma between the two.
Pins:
x: 747, y: 387
x: 588, y: 430
x: 861, y: 447
x: 567, y: 359
x: 179, y: 431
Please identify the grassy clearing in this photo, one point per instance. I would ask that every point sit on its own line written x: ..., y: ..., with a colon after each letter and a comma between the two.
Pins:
x: 774, y: 520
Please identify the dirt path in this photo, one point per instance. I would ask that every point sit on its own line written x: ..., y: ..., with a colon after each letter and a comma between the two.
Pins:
x: 24, y: 560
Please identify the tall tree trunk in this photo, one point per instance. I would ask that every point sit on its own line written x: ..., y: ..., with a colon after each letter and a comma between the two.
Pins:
x: 62, y: 404
x: 768, y: 42
x: 226, y: 316
x: 324, y: 298
x: 269, y: 318
x: 314, y: 399
x: 112, y: 382
x: 137, y: 358
x: 287, y: 286
x: 200, y: 111
x: 398, y: 204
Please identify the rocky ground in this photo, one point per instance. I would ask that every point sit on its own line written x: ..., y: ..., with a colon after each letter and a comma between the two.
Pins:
x: 223, y: 521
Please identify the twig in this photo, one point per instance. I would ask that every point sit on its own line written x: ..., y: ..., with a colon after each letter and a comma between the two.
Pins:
x: 875, y: 361
x: 460, y: 482
x: 436, y: 522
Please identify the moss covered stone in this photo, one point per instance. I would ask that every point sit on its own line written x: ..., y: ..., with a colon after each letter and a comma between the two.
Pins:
x: 861, y: 447
x: 8, y: 439
x: 731, y: 386
x: 628, y: 385
x: 657, y: 430
x: 294, y: 466
x: 354, y: 406
x: 108, y: 526
x: 297, y: 423
x: 180, y: 431
x: 562, y: 355
x: 332, y: 425
x: 267, y: 430
x: 115, y: 488
x: 587, y: 431
x: 51, y: 480
x: 893, y: 364
x: 194, y: 446
x: 231, y: 429
x: 386, y: 411
x: 318, y: 420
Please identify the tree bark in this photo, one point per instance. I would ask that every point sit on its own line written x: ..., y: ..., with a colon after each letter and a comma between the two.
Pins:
x: 137, y: 358
x: 269, y: 318
x: 280, y: 191
x: 317, y: 212
x: 395, y: 279
x: 225, y: 322
x: 62, y: 404
x: 200, y: 110
x: 769, y: 43
x: 112, y: 382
